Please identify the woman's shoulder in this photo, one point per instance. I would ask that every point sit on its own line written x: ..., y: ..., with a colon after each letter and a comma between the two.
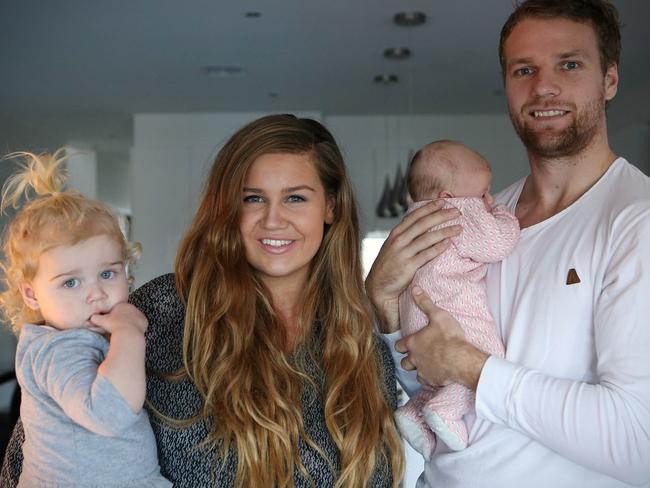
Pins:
x: 161, y: 288
x: 158, y: 300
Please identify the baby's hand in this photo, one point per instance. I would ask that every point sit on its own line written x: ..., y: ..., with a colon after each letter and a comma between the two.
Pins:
x: 121, y: 315
x: 488, y: 201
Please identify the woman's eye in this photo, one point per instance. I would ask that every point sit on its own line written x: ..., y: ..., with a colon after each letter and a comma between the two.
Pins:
x: 107, y: 275
x: 296, y: 198
x: 71, y: 283
x: 252, y: 199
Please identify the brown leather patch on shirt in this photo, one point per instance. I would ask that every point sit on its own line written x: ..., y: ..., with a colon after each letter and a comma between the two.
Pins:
x: 572, y: 277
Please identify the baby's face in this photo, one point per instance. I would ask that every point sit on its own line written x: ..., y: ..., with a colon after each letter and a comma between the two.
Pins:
x: 474, y: 180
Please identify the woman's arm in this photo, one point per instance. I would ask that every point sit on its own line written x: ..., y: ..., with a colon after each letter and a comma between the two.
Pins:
x: 13, y: 462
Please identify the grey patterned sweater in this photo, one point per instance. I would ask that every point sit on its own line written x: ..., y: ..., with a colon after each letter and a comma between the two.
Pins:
x: 181, y: 460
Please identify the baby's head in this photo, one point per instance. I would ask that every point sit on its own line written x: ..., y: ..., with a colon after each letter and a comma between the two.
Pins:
x: 53, y: 241
x: 449, y: 169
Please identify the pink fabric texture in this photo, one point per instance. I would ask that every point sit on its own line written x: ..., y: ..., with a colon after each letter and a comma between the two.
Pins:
x: 455, y: 282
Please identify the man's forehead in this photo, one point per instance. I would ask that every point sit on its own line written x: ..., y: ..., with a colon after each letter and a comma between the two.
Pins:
x: 556, y: 36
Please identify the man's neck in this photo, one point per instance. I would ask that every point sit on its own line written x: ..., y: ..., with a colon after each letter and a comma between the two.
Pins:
x: 554, y: 184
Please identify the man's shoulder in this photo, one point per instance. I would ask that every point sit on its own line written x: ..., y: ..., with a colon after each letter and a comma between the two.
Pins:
x: 623, y: 192
x: 632, y: 183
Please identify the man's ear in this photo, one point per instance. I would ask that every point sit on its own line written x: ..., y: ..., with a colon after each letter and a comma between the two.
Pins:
x: 329, y: 211
x: 611, y: 82
x: 29, y: 297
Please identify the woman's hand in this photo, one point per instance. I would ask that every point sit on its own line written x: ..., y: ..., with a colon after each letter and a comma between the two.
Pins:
x: 408, y: 246
x: 439, y: 351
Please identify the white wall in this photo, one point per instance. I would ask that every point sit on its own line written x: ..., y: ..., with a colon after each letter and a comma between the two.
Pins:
x: 82, y: 170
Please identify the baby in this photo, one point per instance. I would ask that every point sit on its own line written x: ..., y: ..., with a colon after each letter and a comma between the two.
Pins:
x: 454, y: 281
x: 65, y: 292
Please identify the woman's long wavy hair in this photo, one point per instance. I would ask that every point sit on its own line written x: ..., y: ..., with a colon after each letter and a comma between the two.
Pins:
x: 235, y: 346
x: 50, y: 217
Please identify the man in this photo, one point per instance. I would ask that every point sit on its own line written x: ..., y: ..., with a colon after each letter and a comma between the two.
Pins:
x: 569, y: 406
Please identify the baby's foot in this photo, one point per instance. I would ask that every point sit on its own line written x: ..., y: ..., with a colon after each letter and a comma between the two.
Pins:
x: 451, y: 432
x: 415, y: 431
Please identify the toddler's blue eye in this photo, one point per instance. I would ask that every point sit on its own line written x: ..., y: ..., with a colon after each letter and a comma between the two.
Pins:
x: 106, y: 275
x: 71, y: 283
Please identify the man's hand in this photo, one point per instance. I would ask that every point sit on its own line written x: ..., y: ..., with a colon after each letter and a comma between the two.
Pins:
x: 409, y: 246
x: 122, y: 315
x: 439, y: 351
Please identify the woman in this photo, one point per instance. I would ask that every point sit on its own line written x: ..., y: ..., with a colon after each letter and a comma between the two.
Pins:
x: 262, y: 342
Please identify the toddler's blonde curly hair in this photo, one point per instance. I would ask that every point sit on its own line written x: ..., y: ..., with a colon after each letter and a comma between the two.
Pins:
x: 50, y: 217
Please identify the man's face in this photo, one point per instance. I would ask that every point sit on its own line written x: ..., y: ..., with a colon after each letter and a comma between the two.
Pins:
x: 555, y: 86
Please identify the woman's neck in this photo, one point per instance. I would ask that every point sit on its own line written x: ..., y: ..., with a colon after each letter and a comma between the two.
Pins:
x: 286, y: 298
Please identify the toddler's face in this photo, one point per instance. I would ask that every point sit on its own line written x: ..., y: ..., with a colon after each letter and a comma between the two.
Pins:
x: 75, y: 282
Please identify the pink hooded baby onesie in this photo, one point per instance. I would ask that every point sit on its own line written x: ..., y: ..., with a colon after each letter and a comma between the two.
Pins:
x: 455, y: 281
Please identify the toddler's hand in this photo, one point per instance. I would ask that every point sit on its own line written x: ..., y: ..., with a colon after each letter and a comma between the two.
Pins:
x: 121, y: 315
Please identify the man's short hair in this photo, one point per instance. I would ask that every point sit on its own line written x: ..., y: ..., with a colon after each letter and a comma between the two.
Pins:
x: 602, y: 15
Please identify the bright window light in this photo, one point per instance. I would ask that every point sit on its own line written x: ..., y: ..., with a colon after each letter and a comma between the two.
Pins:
x: 370, y: 246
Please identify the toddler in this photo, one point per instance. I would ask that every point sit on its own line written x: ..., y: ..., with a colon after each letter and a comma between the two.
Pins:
x: 454, y: 281
x: 65, y: 293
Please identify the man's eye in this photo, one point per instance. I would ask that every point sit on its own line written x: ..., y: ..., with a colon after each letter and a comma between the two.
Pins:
x: 570, y: 65
x: 523, y: 71
x: 107, y: 275
x: 71, y: 283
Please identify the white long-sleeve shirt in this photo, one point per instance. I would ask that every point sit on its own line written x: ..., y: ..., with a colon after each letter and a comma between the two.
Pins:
x: 569, y: 406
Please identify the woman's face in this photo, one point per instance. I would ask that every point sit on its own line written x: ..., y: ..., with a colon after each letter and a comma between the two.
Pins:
x: 283, y: 215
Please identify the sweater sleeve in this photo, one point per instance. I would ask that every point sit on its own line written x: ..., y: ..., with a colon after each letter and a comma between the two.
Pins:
x: 604, y: 426
x: 64, y: 366
x: 487, y: 236
x: 408, y: 379
x: 13, y: 462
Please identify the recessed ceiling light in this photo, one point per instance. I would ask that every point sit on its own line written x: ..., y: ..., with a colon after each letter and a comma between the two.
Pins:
x: 410, y: 19
x: 385, y: 79
x: 397, y: 53
x: 222, y: 70
x: 253, y: 14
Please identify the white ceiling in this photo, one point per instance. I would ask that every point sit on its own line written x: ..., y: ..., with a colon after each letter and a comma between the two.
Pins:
x: 78, y: 69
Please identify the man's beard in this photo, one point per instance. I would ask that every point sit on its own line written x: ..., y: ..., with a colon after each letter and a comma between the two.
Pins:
x: 566, y: 143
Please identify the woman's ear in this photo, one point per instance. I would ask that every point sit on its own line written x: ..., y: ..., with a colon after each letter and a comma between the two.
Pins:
x: 329, y: 211
x: 29, y: 297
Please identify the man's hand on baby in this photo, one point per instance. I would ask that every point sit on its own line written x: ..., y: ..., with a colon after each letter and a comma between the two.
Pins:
x: 409, y: 246
x: 122, y: 315
x: 439, y: 351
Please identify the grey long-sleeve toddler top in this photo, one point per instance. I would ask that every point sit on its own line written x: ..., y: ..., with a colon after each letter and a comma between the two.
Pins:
x: 78, y: 429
